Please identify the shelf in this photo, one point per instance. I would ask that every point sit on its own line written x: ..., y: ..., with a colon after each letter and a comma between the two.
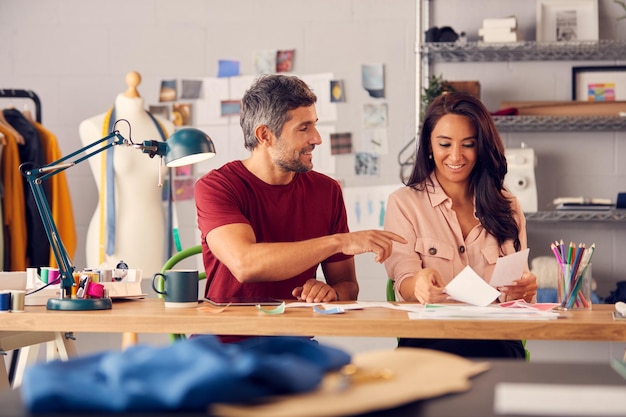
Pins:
x: 615, y: 215
x: 560, y: 123
x: 607, y: 50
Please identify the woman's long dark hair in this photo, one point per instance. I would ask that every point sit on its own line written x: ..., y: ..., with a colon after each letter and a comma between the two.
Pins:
x: 493, y: 209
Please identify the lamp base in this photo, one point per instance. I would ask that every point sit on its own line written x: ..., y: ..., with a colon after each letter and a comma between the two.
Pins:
x: 79, y: 304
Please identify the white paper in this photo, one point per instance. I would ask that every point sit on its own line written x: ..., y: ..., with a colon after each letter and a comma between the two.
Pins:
x: 559, y: 399
x: 491, y: 312
x: 509, y: 268
x: 469, y: 287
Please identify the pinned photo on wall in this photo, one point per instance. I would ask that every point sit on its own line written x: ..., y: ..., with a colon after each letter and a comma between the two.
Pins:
x: 227, y: 68
x: 366, y: 163
x: 183, y: 189
x: 168, y: 90
x: 375, y: 141
x: 181, y: 114
x: 230, y: 107
x: 337, y: 94
x: 162, y: 111
x: 374, y: 115
x: 340, y: 143
x: 373, y: 80
x: 191, y: 89
x: 265, y: 61
x: 284, y: 60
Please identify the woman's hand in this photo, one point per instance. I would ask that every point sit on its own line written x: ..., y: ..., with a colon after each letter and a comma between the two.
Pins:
x: 524, y: 288
x: 429, y: 287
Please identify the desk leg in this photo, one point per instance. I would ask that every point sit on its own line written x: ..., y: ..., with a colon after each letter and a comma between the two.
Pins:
x: 4, y: 375
x: 28, y: 355
x: 128, y: 340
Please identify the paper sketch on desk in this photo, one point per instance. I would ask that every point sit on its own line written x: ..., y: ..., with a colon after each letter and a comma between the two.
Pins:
x: 468, y: 287
x: 509, y: 268
x: 492, y: 312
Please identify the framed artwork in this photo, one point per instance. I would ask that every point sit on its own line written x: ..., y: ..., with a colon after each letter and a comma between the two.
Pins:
x: 599, y: 83
x: 567, y: 20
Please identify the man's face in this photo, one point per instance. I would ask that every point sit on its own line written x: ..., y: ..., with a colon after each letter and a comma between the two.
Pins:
x: 293, y: 150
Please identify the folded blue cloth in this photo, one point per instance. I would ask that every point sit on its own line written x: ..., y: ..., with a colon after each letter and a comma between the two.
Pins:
x: 187, y: 375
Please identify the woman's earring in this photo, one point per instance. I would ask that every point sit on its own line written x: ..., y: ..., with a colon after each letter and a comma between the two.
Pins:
x: 430, y: 156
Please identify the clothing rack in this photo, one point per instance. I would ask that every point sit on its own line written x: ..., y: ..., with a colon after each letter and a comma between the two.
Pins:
x: 17, y: 93
x: 29, y: 94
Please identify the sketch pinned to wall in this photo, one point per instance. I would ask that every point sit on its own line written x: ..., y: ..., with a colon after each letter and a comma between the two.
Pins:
x: 183, y: 183
x: 374, y: 115
x: 366, y: 206
x: 341, y: 143
x: 373, y: 80
x: 337, y: 94
x: 230, y: 107
x: 375, y: 141
x: 265, y: 61
x: 284, y: 60
x: 366, y: 163
x: 168, y: 90
x: 227, y: 68
x: 191, y: 89
x: 181, y: 114
x: 162, y: 111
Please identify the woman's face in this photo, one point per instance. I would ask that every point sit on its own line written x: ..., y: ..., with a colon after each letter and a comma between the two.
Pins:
x: 453, y: 142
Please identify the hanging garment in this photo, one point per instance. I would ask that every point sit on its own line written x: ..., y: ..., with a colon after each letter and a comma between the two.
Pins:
x: 60, y: 199
x: 37, y: 246
x: 13, y: 205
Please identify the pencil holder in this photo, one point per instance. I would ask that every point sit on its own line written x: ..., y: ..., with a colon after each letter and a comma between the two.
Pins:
x: 574, y: 287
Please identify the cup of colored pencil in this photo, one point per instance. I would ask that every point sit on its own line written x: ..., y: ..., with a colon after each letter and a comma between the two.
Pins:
x: 574, y: 275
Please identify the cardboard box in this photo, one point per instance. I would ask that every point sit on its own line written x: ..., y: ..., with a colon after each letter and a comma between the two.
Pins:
x: 471, y: 87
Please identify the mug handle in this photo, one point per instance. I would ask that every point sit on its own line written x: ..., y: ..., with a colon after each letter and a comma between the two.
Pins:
x: 154, y: 286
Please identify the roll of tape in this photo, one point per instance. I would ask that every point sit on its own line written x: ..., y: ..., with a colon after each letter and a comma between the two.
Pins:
x: 5, y: 301
x: 17, y: 300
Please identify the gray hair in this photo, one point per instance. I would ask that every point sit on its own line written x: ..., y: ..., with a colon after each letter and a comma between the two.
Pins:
x: 268, y: 102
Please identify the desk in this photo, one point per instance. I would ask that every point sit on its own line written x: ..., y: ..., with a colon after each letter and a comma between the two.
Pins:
x: 477, y: 402
x: 151, y: 316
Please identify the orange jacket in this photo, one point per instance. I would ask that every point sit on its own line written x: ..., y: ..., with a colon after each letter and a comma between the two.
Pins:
x: 13, y: 205
x: 61, y: 204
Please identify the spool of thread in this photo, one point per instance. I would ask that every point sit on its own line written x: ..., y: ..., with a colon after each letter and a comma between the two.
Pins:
x: 17, y: 301
x: 5, y: 301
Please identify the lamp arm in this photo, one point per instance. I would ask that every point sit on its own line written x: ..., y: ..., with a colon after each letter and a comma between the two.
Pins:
x: 35, y: 178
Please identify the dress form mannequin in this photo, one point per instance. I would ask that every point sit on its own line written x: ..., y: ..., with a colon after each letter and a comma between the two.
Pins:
x: 140, y: 233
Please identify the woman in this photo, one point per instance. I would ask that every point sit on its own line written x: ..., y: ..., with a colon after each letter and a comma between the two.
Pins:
x: 455, y: 212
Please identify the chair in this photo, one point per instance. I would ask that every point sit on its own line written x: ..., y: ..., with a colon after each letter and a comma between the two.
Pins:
x: 170, y: 263
x: 391, y: 296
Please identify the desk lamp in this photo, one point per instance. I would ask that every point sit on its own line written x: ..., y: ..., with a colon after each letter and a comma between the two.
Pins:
x: 184, y: 147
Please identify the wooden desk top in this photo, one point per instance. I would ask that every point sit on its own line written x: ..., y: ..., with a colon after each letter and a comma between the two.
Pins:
x: 151, y: 316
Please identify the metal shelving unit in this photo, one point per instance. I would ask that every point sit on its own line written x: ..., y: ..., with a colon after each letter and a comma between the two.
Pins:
x: 605, y: 49
x: 553, y: 216
x: 560, y: 123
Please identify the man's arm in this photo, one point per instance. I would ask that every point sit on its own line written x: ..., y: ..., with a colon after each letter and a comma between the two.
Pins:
x: 236, y: 247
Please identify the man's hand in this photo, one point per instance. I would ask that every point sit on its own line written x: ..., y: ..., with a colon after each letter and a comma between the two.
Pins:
x: 315, y: 291
x: 378, y: 241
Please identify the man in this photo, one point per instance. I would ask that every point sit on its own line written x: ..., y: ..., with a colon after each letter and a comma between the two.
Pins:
x: 269, y: 221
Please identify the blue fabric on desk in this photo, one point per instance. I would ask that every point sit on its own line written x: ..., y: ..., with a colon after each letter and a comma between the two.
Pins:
x: 188, y: 375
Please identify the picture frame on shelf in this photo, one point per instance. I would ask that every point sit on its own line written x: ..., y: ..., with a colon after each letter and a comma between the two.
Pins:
x: 599, y: 83
x: 567, y: 20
